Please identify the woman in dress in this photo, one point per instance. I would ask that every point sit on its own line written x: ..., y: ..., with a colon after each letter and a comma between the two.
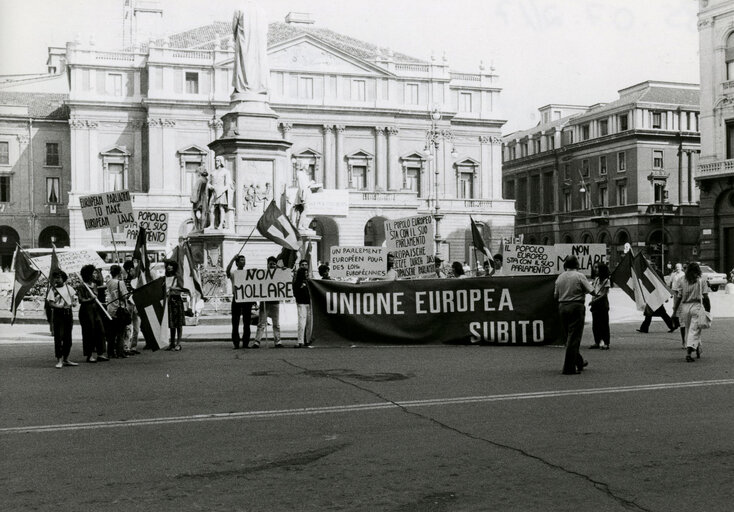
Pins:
x: 93, y: 333
x: 691, y: 298
x: 599, y: 306
x: 176, y: 315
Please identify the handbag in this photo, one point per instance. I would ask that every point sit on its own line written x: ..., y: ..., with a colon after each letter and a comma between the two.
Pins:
x: 704, y: 317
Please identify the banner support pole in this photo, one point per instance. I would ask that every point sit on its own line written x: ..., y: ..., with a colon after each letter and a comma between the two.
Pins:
x: 114, y: 245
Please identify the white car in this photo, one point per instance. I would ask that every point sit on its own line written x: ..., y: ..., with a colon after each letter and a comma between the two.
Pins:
x: 713, y: 278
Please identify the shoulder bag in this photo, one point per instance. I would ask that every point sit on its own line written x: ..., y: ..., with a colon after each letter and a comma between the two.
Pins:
x: 704, y: 317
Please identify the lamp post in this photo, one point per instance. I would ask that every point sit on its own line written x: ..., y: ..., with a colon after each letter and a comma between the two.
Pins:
x: 434, y: 135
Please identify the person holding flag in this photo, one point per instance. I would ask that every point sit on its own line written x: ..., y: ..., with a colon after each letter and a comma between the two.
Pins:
x: 93, y: 332
x: 61, y: 297
x: 239, y: 309
x: 25, y: 278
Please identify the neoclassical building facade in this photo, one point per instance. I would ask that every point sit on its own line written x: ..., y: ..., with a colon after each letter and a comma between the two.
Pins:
x: 356, y: 115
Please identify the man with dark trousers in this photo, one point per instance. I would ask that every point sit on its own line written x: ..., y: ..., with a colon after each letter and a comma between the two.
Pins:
x: 239, y: 309
x: 570, y: 292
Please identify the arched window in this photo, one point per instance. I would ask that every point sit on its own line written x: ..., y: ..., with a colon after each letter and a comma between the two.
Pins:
x: 729, y: 57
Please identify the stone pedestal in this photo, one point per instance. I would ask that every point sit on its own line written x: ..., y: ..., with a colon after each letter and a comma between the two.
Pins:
x: 255, y: 155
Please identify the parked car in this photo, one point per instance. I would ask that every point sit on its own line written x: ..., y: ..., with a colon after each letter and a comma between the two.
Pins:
x: 713, y: 278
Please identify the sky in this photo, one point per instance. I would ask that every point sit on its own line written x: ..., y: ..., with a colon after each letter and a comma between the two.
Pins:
x: 577, y: 52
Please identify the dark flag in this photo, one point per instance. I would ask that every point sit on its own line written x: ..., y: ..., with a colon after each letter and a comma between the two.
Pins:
x: 25, y: 278
x: 187, y: 274
x: 150, y: 301
x: 140, y: 253
x: 477, y: 240
x: 288, y: 257
x: 622, y: 276
x: 276, y: 227
x: 650, y: 285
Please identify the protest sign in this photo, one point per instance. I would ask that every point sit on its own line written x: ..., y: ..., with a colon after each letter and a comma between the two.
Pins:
x: 501, y: 310
x: 525, y: 259
x: 363, y: 262
x: 107, y: 210
x: 256, y: 284
x: 410, y: 241
x: 70, y: 261
x: 328, y: 202
x: 155, y: 224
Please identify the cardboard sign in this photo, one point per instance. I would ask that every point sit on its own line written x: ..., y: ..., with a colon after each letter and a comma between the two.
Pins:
x: 155, y: 224
x: 364, y: 262
x: 525, y: 259
x: 108, y: 210
x: 256, y: 284
x: 70, y: 261
x: 410, y: 241
x: 328, y: 202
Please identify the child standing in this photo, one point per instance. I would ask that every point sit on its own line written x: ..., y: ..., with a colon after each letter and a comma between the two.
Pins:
x: 61, y: 297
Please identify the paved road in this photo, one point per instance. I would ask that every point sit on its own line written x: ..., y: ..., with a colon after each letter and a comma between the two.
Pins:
x: 404, y: 429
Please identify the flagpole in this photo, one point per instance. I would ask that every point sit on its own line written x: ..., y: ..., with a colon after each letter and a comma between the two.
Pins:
x: 247, y: 239
x: 114, y: 246
x: 96, y: 299
x: 44, y: 275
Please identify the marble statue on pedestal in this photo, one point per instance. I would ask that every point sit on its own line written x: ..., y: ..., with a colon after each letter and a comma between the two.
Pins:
x: 200, y: 200
x: 221, y: 190
x: 250, y: 32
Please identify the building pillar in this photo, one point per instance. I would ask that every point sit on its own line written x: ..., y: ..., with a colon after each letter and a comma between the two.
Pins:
x: 381, y: 155
x: 285, y: 129
x: 329, y: 171
x: 394, y: 174
x: 171, y: 174
x: 96, y: 178
x: 485, y: 173
x: 136, y: 180
x: 155, y: 155
x: 495, y: 176
x: 341, y: 173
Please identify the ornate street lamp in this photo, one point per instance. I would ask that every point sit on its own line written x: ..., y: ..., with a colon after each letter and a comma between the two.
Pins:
x: 434, y: 135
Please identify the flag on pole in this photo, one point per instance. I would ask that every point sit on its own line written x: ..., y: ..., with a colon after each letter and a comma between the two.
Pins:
x: 276, y: 227
x: 25, y: 278
x: 650, y: 285
x: 150, y: 301
x: 624, y: 277
x: 140, y: 253
x: 288, y: 257
x: 477, y: 240
x: 188, y: 275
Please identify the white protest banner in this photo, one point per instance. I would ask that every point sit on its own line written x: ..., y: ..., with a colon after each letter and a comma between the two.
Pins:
x: 328, y: 202
x: 155, y: 224
x: 364, y: 262
x: 107, y: 210
x: 587, y: 254
x: 256, y: 284
x: 410, y: 241
x: 524, y: 259
x: 70, y: 261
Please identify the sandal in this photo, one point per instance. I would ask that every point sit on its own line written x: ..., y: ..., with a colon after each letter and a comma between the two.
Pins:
x: 177, y: 348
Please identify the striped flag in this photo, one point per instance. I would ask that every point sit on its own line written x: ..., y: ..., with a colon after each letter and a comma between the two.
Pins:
x: 187, y: 275
x: 477, y: 240
x: 652, y: 288
x: 276, y: 227
x: 150, y: 301
x: 25, y: 278
x: 140, y: 253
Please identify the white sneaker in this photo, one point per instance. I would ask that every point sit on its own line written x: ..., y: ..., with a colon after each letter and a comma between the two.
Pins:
x: 60, y: 364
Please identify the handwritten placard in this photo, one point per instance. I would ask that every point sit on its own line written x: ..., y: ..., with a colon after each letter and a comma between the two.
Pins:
x: 348, y: 262
x: 256, y: 284
x: 410, y: 241
x: 108, y: 210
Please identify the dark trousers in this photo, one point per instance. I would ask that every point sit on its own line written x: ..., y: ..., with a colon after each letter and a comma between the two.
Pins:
x: 572, y: 320
x: 645, y: 326
x: 241, y: 310
x: 600, y: 326
x: 93, y: 333
x: 62, y: 321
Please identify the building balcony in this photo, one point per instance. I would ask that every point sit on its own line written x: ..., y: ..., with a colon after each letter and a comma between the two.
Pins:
x: 396, y: 199
x: 722, y: 168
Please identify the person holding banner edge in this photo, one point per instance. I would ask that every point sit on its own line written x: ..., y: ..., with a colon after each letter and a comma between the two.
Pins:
x: 93, y: 333
x: 303, y: 303
x: 268, y: 309
x: 239, y: 309
x: 570, y: 291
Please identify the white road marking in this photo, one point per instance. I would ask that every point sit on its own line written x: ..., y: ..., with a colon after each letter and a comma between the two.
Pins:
x: 247, y: 415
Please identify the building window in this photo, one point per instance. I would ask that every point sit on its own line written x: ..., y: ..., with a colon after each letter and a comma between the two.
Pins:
x: 4, y: 189
x: 567, y: 172
x: 465, y: 102
x: 359, y: 177
x: 52, y: 154
x: 359, y: 90
x: 114, y: 84
x: 413, y: 179
x: 306, y: 88
x: 621, y: 194
x: 115, y: 177
x: 192, y: 174
x: 192, y: 82
x: 568, y: 137
x: 536, y: 144
x: 411, y: 94
x: 657, y: 159
x: 621, y: 161
x: 567, y: 201
x: 657, y: 120
x: 660, y: 193
x: 466, y: 185
x: 602, y: 165
x: 603, y: 127
x: 603, y: 197
x: 585, y: 132
x: 585, y: 168
x: 524, y: 149
x: 585, y: 199
x: 623, y: 123
x: 729, y: 56
x: 556, y: 114
x: 4, y: 153
x: 551, y: 142
x: 52, y: 190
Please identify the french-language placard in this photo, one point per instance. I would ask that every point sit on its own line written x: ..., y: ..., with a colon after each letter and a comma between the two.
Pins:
x: 256, y: 284
x: 107, y: 210
x: 70, y: 261
x: 410, y: 241
x: 347, y: 262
